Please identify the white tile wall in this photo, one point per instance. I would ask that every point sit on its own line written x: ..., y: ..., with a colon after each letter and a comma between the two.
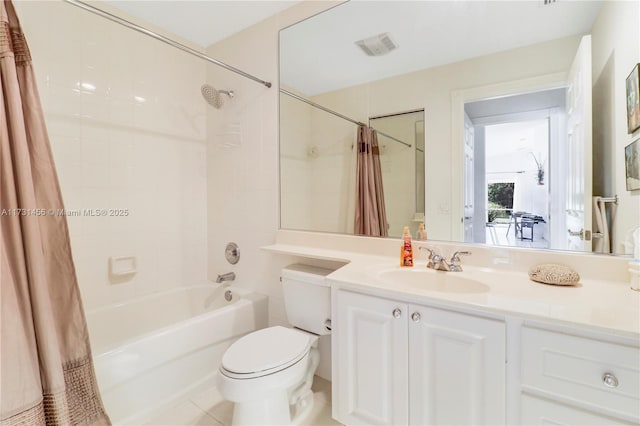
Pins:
x: 127, y: 128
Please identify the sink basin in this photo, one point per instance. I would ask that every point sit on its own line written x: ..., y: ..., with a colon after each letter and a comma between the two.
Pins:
x: 427, y: 279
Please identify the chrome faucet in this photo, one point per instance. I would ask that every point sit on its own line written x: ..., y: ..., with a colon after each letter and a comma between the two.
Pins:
x: 229, y: 276
x: 454, y: 263
x: 439, y: 263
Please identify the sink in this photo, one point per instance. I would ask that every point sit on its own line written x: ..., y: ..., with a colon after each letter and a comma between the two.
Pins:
x: 427, y: 279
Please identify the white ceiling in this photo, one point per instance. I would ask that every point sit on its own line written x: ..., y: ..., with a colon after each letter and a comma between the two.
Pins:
x: 202, y: 22
x: 519, y: 137
x: 319, y: 55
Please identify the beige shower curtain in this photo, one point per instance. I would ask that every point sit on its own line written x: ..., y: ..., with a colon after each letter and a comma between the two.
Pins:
x: 46, y: 371
x: 371, y: 215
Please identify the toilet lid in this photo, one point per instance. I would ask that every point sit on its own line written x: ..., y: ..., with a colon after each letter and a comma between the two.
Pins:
x: 264, y: 350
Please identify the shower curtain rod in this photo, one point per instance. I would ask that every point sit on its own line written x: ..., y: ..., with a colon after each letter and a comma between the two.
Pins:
x: 163, y: 39
x: 337, y: 114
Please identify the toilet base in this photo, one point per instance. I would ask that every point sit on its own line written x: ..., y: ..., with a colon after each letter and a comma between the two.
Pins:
x: 303, y: 408
x: 273, y: 410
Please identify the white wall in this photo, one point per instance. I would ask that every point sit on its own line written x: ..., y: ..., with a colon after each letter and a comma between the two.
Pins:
x: 113, y: 151
x: 616, y: 49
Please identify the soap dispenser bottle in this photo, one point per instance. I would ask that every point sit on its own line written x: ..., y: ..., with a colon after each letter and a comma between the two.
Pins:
x: 422, y: 233
x: 406, y: 250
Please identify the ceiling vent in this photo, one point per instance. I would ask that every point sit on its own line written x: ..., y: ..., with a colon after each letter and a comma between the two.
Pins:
x: 378, y: 45
x: 548, y: 2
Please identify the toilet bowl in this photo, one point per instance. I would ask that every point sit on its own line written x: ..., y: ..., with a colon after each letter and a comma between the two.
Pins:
x: 268, y: 373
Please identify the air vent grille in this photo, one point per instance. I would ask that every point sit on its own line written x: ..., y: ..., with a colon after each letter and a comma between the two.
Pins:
x: 377, y: 45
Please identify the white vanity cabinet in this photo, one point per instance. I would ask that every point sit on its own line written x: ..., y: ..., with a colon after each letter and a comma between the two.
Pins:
x: 397, y: 363
x: 569, y: 378
x: 370, y: 360
x: 456, y: 368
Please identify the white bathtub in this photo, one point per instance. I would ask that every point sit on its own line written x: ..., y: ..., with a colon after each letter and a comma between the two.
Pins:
x: 154, y: 350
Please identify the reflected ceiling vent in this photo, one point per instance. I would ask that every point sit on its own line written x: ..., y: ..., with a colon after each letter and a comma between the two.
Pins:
x: 378, y: 45
x: 548, y: 2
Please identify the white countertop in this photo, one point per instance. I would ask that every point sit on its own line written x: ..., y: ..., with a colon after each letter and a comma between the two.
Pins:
x: 596, y: 304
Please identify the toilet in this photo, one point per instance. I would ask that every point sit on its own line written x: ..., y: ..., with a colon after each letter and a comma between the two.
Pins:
x: 268, y: 373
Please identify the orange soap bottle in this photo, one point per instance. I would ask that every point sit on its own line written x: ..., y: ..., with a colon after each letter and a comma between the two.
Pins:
x: 406, y: 250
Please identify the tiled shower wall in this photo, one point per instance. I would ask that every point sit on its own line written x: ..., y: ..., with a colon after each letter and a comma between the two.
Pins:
x: 127, y: 129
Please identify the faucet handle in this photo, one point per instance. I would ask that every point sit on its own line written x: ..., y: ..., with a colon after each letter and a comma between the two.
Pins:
x: 431, y: 251
x: 456, y: 256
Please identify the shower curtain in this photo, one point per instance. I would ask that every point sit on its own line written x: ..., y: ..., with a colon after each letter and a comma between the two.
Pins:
x: 371, y: 215
x: 46, y: 375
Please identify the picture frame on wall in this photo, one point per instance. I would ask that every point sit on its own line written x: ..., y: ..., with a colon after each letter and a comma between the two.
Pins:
x: 632, y: 165
x: 633, y: 100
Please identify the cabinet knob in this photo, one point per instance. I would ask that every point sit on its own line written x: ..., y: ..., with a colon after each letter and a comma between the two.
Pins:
x: 397, y: 313
x: 610, y: 380
x: 415, y: 316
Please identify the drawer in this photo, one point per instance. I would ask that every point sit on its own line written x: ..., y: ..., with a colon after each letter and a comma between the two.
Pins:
x: 574, y: 368
x: 543, y: 412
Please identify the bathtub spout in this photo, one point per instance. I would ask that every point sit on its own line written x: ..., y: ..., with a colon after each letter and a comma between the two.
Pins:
x: 229, y: 276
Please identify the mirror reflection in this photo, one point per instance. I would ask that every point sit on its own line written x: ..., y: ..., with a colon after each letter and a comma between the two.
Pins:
x: 518, y: 134
x: 401, y: 140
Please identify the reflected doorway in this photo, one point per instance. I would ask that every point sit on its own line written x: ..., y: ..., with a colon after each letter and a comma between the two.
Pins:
x: 517, y: 203
x: 517, y: 186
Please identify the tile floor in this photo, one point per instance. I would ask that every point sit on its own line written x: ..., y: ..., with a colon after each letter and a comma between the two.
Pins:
x: 502, y: 235
x: 210, y: 409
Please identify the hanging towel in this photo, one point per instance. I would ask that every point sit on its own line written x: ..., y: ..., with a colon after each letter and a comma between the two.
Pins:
x: 600, y: 234
x: 602, y: 225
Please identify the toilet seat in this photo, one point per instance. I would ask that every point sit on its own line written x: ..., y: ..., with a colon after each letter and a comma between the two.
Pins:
x: 264, y: 352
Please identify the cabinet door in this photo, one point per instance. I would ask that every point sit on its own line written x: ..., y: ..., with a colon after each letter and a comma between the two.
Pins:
x: 370, y: 369
x: 457, y: 364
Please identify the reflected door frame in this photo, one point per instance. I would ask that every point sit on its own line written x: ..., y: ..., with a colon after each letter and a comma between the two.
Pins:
x: 458, y: 99
x: 469, y: 179
x: 555, y: 178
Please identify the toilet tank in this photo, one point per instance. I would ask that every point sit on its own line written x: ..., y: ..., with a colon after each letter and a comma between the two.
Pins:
x: 307, y: 297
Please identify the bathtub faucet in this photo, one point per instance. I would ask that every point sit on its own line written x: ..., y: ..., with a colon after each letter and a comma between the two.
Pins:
x: 229, y: 276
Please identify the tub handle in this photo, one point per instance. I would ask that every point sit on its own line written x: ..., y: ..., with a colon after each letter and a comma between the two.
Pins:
x: 232, y: 253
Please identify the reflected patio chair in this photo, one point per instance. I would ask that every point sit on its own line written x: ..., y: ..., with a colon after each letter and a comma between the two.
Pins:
x: 527, y: 224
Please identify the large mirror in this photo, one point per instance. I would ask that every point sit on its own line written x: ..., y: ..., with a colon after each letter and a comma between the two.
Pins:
x: 499, y: 123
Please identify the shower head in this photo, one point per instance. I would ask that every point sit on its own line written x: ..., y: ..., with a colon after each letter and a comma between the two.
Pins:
x: 214, y: 96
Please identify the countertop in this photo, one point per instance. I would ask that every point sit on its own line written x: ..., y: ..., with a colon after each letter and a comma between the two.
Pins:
x: 594, y: 304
